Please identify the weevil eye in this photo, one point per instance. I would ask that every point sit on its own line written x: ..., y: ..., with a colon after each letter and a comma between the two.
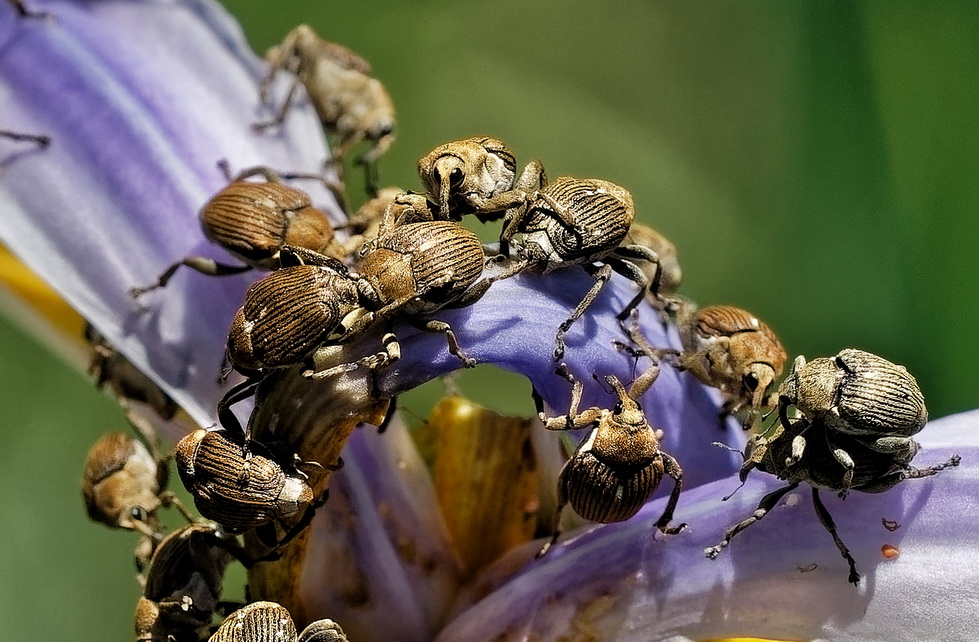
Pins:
x: 138, y: 513
x: 750, y: 381
x: 455, y: 177
x: 618, y: 408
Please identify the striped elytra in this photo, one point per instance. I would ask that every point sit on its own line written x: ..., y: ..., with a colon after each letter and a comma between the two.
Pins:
x: 604, y: 494
x: 404, y: 260
x: 257, y: 622
x: 287, y: 315
x: 856, y: 392
x: 238, y: 491
x: 879, y: 396
x: 253, y: 220
x: 601, y: 213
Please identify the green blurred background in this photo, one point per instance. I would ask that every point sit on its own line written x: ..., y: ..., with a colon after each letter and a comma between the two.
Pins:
x: 815, y: 163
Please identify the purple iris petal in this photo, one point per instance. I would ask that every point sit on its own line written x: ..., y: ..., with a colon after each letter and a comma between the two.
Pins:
x: 140, y: 100
x: 783, y: 578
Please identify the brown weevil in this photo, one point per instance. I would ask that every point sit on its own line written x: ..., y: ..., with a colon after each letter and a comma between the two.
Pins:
x: 578, y: 221
x: 732, y: 350
x: 257, y: 622
x: 351, y: 103
x: 124, y: 484
x: 253, y: 221
x: 271, y: 622
x: 473, y: 176
x: 297, y: 313
x: 619, y: 465
x: 830, y: 460
x: 857, y: 393
x: 242, y: 490
x: 184, y: 582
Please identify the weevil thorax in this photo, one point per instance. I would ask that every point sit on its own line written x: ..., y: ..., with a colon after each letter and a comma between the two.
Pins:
x: 623, y: 437
x: 121, y: 483
x: 288, y: 315
x: 601, y: 213
x: 813, y: 387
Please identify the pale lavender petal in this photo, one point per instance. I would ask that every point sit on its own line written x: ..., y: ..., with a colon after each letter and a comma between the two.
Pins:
x: 382, y: 563
x: 513, y: 326
x: 141, y: 99
x: 782, y: 579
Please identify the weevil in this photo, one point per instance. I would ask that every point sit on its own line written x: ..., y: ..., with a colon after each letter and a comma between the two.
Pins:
x: 821, y: 465
x: 351, y: 103
x: 271, y: 622
x: 473, y: 176
x: 243, y: 490
x: 577, y: 221
x: 253, y: 221
x: 732, y: 350
x: 184, y: 583
x: 124, y: 484
x: 619, y: 465
x: 257, y: 622
x: 857, y: 393
x: 299, y: 313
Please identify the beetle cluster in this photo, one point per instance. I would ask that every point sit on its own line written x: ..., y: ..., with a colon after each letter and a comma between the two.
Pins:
x: 401, y: 258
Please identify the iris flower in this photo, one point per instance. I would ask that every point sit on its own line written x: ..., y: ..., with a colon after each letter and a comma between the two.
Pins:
x: 141, y: 99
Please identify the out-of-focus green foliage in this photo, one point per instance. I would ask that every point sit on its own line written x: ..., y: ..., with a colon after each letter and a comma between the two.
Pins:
x: 815, y: 163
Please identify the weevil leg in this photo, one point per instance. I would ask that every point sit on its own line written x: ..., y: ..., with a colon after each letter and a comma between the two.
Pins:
x: 827, y: 521
x: 235, y: 394
x: 168, y: 499
x: 280, y: 114
x: 207, y: 266
x: 766, y: 504
x: 24, y: 12
x: 292, y: 255
x: 601, y: 276
x: 450, y: 336
x: 38, y: 139
x: 556, y: 524
x: 303, y: 523
x: 916, y: 473
x: 673, y: 470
